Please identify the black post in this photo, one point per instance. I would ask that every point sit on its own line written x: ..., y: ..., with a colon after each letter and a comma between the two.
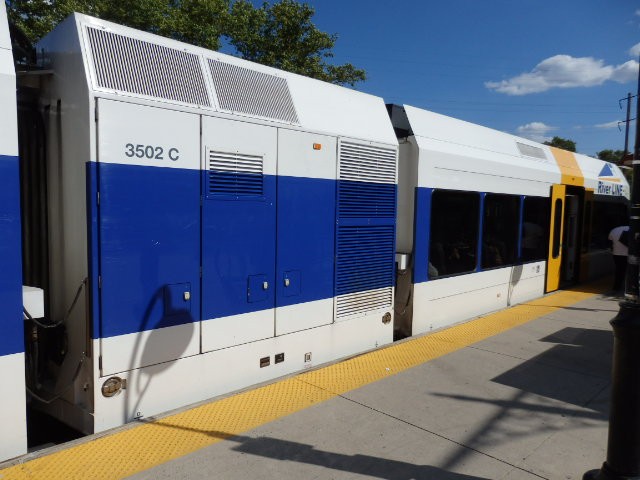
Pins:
x: 623, y: 448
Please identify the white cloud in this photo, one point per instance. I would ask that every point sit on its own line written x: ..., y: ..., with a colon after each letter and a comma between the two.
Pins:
x: 608, y: 125
x: 565, y: 71
x: 638, y: 12
x: 536, y: 131
x: 635, y: 50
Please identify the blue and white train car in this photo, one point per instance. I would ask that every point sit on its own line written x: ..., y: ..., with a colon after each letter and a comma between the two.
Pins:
x: 487, y: 219
x: 227, y: 222
x: 208, y: 224
x: 13, y: 437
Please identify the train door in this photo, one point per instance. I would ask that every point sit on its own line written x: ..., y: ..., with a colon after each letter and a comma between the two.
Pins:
x: 570, y: 239
x: 554, y: 261
x: 238, y: 232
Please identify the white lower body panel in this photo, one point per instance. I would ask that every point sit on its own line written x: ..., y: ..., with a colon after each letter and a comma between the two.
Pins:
x: 159, y: 388
x: 134, y: 350
x: 13, y: 416
x: 302, y: 316
x: 237, y: 329
x: 443, y: 302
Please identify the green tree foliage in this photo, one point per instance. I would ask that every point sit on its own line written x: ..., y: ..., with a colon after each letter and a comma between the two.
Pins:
x: 613, y: 156
x: 280, y: 35
x: 563, y: 143
x: 200, y: 22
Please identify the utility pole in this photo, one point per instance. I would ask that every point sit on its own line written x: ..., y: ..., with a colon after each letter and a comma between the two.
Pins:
x: 623, y: 448
x: 626, y: 122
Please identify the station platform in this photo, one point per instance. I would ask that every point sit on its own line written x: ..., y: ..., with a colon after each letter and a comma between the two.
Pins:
x: 518, y: 394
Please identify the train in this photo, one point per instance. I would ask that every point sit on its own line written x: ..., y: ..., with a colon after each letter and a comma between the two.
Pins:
x: 177, y: 224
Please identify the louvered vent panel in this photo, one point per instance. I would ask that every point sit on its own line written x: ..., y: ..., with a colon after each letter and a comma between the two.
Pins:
x: 531, y: 151
x: 246, y: 91
x: 361, y: 302
x: 129, y: 65
x: 235, y: 174
x: 363, y: 163
x: 367, y: 185
x: 358, y: 199
x: 365, y: 258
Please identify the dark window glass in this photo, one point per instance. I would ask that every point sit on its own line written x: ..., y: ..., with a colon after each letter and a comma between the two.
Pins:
x: 557, y: 226
x: 535, y: 229
x: 586, y: 226
x: 500, y: 229
x: 454, y: 232
x: 606, y: 216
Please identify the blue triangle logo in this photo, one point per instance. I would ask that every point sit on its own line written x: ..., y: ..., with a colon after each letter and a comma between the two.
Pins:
x: 606, y: 171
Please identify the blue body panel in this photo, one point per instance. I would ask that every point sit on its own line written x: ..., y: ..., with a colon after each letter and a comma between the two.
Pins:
x: 149, y: 239
x: 365, y: 240
x: 93, y: 247
x: 306, y: 238
x: 151, y: 234
x: 238, y: 252
x: 421, y: 233
x: 11, y: 318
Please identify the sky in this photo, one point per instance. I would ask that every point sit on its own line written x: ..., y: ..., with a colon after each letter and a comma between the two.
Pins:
x: 534, y: 68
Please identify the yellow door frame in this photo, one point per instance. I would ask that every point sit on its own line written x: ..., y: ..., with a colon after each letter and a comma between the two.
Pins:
x: 554, y: 260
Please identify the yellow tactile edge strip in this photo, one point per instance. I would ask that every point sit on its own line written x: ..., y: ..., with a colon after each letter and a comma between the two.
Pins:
x: 137, y: 449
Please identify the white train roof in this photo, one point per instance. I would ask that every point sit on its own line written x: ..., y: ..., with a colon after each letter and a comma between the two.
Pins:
x: 5, y: 40
x: 135, y: 64
x: 462, y: 155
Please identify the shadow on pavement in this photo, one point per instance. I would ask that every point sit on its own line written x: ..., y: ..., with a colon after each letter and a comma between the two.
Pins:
x: 373, y: 467
x: 574, y: 371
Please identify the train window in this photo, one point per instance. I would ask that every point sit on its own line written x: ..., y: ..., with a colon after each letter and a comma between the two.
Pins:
x: 535, y: 229
x: 557, y: 227
x: 500, y: 228
x: 454, y: 232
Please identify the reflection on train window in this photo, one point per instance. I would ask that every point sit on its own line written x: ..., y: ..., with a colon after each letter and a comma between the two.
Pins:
x: 557, y: 228
x: 454, y: 232
x: 535, y: 229
x: 606, y: 216
x: 500, y: 230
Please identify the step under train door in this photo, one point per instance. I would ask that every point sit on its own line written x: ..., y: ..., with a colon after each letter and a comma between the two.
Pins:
x: 554, y: 260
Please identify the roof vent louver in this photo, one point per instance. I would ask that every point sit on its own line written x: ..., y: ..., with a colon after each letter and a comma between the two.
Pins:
x: 531, y: 151
x: 367, y: 181
x: 133, y: 66
x: 245, y: 91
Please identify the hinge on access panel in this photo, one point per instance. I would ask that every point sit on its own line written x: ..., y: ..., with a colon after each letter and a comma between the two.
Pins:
x: 99, y: 281
x: 200, y: 271
x: 100, y: 362
x: 98, y: 197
